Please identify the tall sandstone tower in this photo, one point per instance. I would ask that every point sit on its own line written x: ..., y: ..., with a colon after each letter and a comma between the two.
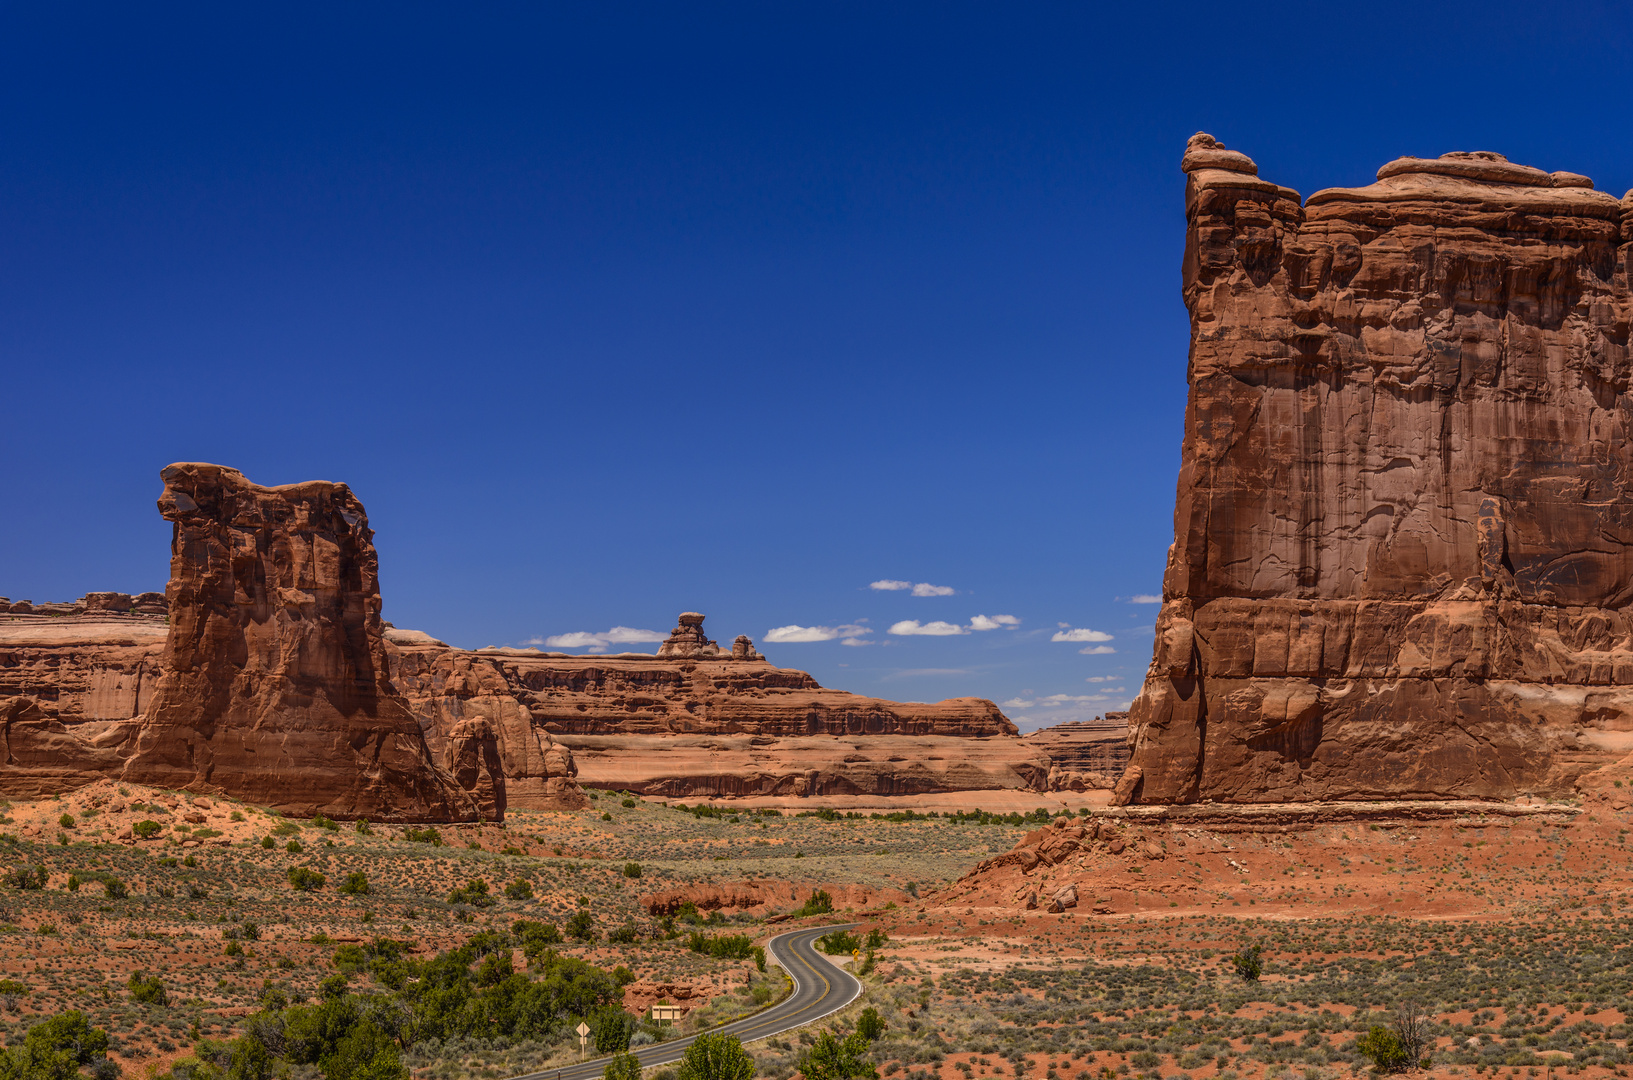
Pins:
x: 1403, y: 554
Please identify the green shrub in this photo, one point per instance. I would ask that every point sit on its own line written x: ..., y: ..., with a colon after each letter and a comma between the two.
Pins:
x: 149, y: 990
x: 423, y: 836
x: 356, y: 884
x: 715, y: 1056
x: 1248, y: 963
x: 266, y: 842
x: 819, y: 903
x: 293, y: 847
x: 623, y: 935
x: 870, y: 1025
x: 832, y: 1058
x: 363, y: 827
x: 113, y: 888
x: 839, y: 943
x: 610, y: 1029
x: 66, y: 821
x: 725, y: 947
x: 628, y: 804
x: 322, y: 822
x: 520, y: 889
x: 632, y: 869
x: 146, y: 830
x: 623, y: 1067
x: 1383, y: 1049
x: 581, y: 926
x: 303, y: 879
x: 73, y: 883
x: 27, y: 877
x: 473, y: 892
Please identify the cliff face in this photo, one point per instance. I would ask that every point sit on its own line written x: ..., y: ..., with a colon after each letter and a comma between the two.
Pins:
x: 711, y: 726
x: 1403, y: 549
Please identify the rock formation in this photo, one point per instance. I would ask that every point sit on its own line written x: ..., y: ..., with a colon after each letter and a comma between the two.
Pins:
x: 275, y: 685
x: 688, y: 641
x: 1084, y: 756
x: 473, y: 720
x: 706, y: 725
x: 1403, y: 550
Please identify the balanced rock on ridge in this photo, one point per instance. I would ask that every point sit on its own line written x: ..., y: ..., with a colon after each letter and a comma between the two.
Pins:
x: 1403, y: 547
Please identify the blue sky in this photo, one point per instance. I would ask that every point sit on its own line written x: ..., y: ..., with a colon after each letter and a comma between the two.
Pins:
x: 612, y: 311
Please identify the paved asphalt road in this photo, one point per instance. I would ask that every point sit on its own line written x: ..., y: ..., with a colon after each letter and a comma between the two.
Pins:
x: 821, y: 988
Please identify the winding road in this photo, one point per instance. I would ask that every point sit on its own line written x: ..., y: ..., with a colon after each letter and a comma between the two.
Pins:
x: 821, y: 988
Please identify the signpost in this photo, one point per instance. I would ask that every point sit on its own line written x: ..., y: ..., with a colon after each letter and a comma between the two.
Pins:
x: 583, y: 1030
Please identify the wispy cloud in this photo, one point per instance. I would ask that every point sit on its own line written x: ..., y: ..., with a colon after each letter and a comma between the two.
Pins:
x: 794, y: 633
x: 913, y: 673
x: 1144, y: 598
x: 1081, y: 634
x: 585, y: 639
x: 923, y: 588
x: 1103, y: 678
x: 912, y: 627
x: 983, y: 622
x: 1096, y: 650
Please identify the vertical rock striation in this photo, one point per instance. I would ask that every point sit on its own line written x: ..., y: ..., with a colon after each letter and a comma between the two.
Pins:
x: 1403, y: 550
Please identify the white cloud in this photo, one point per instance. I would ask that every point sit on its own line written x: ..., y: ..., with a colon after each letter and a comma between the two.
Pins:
x: 578, y: 639
x: 888, y: 585
x: 794, y: 633
x: 982, y: 622
x: 1144, y: 598
x: 791, y: 634
x: 1096, y: 650
x: 628, y: 635
x: 583, y: 639
x: 1081, y: 635
x: 1102, y: 678
x: 856, y: 641
x: 910, y: 627
x: 1016, y: 703
x: 924, y: 588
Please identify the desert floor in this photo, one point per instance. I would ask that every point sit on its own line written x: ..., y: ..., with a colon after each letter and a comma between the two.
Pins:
x: 1509, y: 929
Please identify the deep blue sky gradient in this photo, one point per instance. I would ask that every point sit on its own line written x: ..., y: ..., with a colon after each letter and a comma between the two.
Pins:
x: 608, y: 311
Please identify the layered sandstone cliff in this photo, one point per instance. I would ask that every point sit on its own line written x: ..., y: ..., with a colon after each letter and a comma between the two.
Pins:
x: 1403, y: 549
x: 707, y: 724
x: 1084, y: 755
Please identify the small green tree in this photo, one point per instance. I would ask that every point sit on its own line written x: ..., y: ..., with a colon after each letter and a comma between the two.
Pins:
x: 716, y: 1057
x: 870, y: 1025
x: 819, y: 903
x: 1383, y: 1048
x: 520, y: 889
x: 302, y: 879
x: 832, y: 1058
x: 56, y: 1048
x: 611, y: 1029
x: 146, y: 830
x: 267, y: 842
x: 356, y: 884
x: 581, y: 926
x: 149, y: 990
x: 632, y: 869
x: 623, y: 1067
x: 113, y: 888
x: 27, y: 877
x: 66, y: 821
x: 1248, y: 963
x: 473, y: 892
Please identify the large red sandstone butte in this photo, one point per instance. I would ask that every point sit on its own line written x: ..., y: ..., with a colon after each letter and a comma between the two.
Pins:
x: 1403, y: 549
x: 271, y: 685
